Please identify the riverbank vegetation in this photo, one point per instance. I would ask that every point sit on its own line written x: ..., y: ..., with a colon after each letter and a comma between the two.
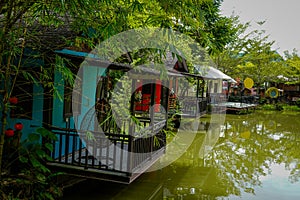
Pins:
x: 279, y: 107
x: 25, y: 175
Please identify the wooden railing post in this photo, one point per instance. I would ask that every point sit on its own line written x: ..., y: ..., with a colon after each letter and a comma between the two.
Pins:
x: 130, y: 153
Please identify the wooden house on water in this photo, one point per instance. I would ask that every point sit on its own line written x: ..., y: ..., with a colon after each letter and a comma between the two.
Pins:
x: 99, y: 135
x: 115, y: 131
x: 105, y: 130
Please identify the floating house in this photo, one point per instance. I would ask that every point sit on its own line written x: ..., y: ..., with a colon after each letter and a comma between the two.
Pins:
x: 111, y: 124
x: 116, y: 130
x: 216, y: 92
x: 107, y: 130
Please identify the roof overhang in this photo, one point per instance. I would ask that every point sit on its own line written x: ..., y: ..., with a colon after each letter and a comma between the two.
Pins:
x: 212, y: 73
x: 140, y: 71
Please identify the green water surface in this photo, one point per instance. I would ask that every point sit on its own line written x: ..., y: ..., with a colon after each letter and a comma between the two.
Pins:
x: 253, y: 156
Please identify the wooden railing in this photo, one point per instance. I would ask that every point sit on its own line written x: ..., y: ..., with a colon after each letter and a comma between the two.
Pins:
x: 115, y: 152
x: 192, y: 106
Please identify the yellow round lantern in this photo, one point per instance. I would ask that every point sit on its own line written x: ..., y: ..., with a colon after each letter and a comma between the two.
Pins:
x: 248, y: 83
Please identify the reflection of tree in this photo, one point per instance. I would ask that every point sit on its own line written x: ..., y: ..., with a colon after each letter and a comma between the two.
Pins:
x: 251, y: 143
x: 288, y: 143
x: 193, y: 173
x: 285, y: 141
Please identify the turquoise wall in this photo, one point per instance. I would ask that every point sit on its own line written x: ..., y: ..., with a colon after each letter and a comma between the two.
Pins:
x: 89, y: 78
x: 29, y: 125
x: 37, y: 114
x: 58, y: 102
x: 90, y: 74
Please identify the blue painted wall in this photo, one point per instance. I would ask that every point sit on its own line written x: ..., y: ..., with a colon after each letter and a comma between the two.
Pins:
x: 89, y: 84
x: 88, y: 100
x: 90, y: 75
x: 29, y: 125
x: 37, y: 114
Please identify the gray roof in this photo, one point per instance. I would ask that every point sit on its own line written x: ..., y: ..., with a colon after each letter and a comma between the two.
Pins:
x: 213, y: 73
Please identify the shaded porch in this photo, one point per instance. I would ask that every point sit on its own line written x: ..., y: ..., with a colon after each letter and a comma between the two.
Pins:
x: 117, y: 157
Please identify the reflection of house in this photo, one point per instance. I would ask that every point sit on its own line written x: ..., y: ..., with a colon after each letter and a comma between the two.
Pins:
x: 190, y: 182
x: 211, y: 138
x: 194, y: 175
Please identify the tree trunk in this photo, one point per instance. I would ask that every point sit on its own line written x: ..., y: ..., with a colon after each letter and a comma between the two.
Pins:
x: 5, y: 108
x: 2, y: 135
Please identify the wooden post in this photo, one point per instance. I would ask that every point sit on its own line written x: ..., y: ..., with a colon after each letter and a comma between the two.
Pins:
x: 167, y: 105
x: 132, y: 105
x: 197, y: 99
x: 152, y: 102
x: 158, y: 94
x: 130, y: 154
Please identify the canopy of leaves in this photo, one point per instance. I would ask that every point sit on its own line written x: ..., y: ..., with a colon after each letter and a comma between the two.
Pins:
x: 292, y: 68
x: 251, y: 54
x: 44, y: 26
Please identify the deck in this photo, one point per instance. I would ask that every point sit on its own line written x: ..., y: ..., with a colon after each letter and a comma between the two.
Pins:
x: 107, y: 156
x: 235, y: 107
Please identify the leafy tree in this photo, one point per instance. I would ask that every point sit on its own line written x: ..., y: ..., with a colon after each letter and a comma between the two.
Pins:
x: 232, y: 54
x: 26, y: 49
x: 292, y: 68
x: 35, y: 180
x: 31, y: 31
x: 250, y: 55
x: 211, y: 30
x: 264, y: 60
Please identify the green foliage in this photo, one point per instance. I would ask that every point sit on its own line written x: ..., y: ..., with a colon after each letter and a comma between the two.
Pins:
x: 298, y: 103
x: 292, y: 68
x: 251, y: 54
x: 28, y: 176
x: 268, y: 107
x: 27, y: 39
x: 291, y: 108
x: 262, y: 101
x: 279, y: 107
x: 259, y: 60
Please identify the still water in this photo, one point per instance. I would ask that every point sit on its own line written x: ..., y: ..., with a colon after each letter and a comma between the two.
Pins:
x: 253, y: 156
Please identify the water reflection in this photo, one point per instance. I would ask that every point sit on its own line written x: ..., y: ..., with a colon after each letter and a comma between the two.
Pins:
x: 247, y: 157
x: 246, y: 151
